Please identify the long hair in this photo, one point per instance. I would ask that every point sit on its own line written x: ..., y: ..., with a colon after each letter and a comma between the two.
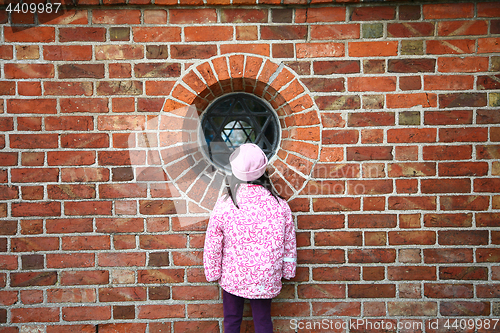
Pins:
x: 233, y: 184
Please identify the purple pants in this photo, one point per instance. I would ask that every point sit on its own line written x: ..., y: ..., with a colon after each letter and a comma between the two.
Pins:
x: 233, y: 313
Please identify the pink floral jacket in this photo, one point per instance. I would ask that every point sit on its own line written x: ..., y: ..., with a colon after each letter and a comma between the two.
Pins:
x: 249, y: 250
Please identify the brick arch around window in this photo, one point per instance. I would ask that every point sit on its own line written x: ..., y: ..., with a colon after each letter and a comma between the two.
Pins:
x: 276, y: 83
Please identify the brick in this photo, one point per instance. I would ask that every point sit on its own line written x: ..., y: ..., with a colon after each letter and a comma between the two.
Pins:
x: 71, y: 158
x: 414, y: 202
x: 33, y: 35
x: 336, y: 67
x: 82, y: 34
x: 371, y: 290
x: 485, y: 9
x: 150, y: 242
x: 426, y: 100
x: 410, y: 83
x: 372, y: 221
x: 338, y: 238
x: 412, y: 169
x: 488, y: 151
x: 369, y: 49
x: 76, y: 71
x: 117, y: 225
x: 67, y: 52
x: 6, y: 52
x: 448, y: 82
x: 244, y: 16
x: 68, y: 88
x: 335, y: 31
x: 122, y: 294
x: 448, y: 255
x: 340, y: 137
x: 447, y: 11
x: 488, y: 82
x: 371, y: 255
x: 28, y: 279
x: 448, y: 220
x: 28, y: 71
x: 8, y: 262
x: 336, y: 274
x: 92, y: 105
x: 469, y: 237
x: 445, y: 186
x: 155, y: 276
x: 193, y: 51
x: 467, y: 202
x: 283, y: 32
x: 338, y: 204
x: 336, y: 308
x: 84, y: 313
x: 487, y: 220
x: 446, y: 290
x: 405, y: 273
x: 84, y: 174
x: 164, y: 70
x: 465, y: 308
x: 187, y: 16
x: 369, y: 153
x: 320, y: 221
x: 409, y: 308
x: 160, y: 311
x: 486, y: 185
x: 411, y: 135
x: 369, y: 13
x: 116, y: 17
x: 119, y: 52
x: 320, y: 14
x: 324, y: 85
x: 488, y: 291
x: 78, y: 243
x: 410, y: 29
x: 368, y: 187
x: 88, y: 208
x: 71, y: 260
x: 448, y: 117
x: 208, y: 33
x: 462, y: 28
x: 362, y: 84
x: 487, y: 255
x: 84, y: 277
x: 412, y: 238
x: 438, y: 153
x: 156, y: 34
x: 7, y: 88
x: 122, y: 259
x: 456, y: 46
x: 36, y: 209
x: 24, y: 315
x: 320, y: 256
x: 462, y: 65
x: 8, y: 227
x: 315, y: 50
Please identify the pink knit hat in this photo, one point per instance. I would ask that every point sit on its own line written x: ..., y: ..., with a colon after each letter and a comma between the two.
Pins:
x: 248, y: 162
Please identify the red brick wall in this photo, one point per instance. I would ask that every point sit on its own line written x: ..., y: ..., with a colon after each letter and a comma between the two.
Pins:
x: 389, y: 156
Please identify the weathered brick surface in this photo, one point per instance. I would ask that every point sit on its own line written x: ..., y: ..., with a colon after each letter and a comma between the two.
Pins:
x: 390, y: 132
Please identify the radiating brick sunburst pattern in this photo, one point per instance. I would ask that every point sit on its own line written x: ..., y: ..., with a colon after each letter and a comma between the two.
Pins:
x: 178, y: 127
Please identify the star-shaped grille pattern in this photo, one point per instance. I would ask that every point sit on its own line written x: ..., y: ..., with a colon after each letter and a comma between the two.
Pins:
x: 236, y: 119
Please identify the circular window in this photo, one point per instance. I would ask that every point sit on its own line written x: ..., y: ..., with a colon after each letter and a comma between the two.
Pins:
x: 235, y: 119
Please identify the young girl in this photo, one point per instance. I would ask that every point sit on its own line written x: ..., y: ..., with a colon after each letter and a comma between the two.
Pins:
x: 250, y: 242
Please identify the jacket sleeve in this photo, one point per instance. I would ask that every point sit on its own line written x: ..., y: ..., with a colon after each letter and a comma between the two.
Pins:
x: 212, y: 251
x: 290, y: 257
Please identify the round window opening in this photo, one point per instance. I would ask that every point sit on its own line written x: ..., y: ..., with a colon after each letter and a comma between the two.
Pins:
x: 235, y: 119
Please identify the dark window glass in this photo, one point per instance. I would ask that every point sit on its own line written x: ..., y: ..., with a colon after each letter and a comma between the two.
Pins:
x: 235, y: 119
